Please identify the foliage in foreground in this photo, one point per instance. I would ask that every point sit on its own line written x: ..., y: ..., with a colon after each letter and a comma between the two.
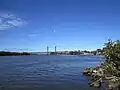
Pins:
x: 112, y: 55
x: 109, y: 70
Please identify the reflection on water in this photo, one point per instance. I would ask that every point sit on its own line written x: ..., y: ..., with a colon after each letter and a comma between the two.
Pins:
x: 45, y: 72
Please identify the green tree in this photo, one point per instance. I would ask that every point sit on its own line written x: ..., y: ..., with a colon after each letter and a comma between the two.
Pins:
x: 112, y: 52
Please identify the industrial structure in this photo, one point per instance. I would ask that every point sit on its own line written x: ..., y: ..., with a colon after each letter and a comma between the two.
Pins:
x: 48, y: 52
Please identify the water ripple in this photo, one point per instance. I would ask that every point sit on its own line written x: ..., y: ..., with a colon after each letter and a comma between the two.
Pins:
x: 45, y: 72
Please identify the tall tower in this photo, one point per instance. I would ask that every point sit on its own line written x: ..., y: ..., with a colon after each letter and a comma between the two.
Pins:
x: 47, y: 50
x: 55, y: 50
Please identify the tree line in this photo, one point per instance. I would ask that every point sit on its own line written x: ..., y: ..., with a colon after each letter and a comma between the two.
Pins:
x: 7, y: 53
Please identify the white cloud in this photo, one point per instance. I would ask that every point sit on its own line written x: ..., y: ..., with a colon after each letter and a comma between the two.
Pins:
x: 34, y: 35
x: 15, y: 22
x: 8, y: 20
x: 4, y: 26
x: 8, y: 15
x: 17, y: 49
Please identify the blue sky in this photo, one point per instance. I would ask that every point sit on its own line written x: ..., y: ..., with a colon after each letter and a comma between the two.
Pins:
x: 31, y: 25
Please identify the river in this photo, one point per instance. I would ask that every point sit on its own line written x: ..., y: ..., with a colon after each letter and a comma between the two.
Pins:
x: 46, y: 72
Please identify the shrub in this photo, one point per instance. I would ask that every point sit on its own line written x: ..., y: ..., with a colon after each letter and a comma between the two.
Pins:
x: 112, y: 54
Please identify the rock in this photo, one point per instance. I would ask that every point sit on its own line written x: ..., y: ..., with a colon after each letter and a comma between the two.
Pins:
x: 98, y: 73
x: 95, y: 73
x: 87, y: 71
x: 108, y: 78
x: 96, y: 84
x: 114, y: 82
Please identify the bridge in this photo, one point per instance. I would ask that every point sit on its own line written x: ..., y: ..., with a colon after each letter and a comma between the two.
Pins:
x: 51, y: 52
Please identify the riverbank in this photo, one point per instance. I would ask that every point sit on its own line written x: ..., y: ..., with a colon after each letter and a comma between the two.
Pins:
x: 99, y: 76
x: 109, y: 70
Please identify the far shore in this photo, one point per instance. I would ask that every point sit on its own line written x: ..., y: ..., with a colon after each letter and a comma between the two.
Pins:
x: 6, y: 53
x: 9, y: 53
